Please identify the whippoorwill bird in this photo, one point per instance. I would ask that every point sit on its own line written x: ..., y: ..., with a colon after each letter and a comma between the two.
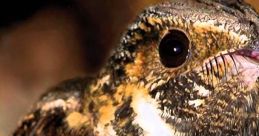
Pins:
x: 184, y: 67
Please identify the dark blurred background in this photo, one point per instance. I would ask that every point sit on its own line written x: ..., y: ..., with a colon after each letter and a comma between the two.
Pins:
x: 43, y: 42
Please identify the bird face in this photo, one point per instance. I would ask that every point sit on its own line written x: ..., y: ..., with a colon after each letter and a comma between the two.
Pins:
x: 185, y: 67
x: 197, y: 65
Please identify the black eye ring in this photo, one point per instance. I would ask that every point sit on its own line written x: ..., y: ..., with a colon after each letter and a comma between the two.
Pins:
x: 174, y: 48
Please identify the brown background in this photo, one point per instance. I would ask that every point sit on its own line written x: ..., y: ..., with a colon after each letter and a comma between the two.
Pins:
x: 51, y: 43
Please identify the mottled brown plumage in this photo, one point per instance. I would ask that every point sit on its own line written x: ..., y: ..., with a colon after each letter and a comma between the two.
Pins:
x: 185, y: 67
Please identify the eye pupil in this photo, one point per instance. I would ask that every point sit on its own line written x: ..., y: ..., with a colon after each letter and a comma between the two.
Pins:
x: 174, y: 49
x: 177, y: 49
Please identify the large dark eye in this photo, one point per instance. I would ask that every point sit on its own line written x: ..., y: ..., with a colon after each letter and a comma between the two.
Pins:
x: 174, y: 48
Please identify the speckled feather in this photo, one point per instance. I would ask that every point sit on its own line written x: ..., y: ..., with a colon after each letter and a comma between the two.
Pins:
x: 135, y: 94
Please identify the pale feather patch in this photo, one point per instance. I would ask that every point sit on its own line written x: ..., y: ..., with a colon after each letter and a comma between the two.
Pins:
x: 202, y: 91
x: 100, y: 82
x: 149, y: 118
x: 71, y: 103
x: 196, y: 103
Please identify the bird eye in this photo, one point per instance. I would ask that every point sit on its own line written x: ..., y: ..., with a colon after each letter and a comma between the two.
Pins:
x: 174, y: 48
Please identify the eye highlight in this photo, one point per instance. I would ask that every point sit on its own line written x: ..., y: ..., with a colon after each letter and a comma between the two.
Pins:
x: 174, y: 48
